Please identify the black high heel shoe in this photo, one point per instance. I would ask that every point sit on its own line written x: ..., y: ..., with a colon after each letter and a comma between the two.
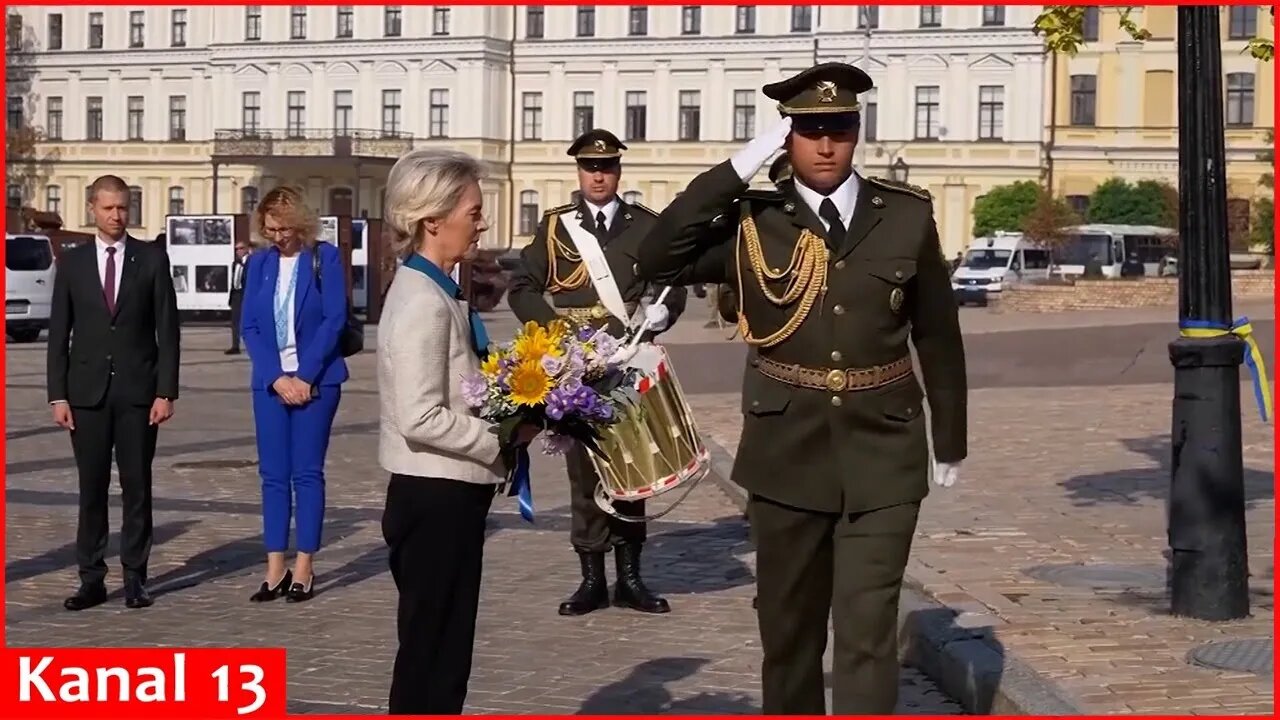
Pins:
x: 301, y: 593
x: 266, y: 593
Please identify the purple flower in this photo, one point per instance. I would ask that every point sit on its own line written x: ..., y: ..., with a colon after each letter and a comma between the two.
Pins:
x: 571, y: 383
x: 605, y: 345
x: 474, y: 390
x: 585, y: 332
x: 552, y: 365
x: 559, y: 404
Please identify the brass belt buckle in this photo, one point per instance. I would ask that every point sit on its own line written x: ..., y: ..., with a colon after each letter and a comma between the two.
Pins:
x: 837, y: 380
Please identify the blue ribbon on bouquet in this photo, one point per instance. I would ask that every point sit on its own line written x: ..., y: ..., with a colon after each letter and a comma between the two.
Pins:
x: 520, y: 486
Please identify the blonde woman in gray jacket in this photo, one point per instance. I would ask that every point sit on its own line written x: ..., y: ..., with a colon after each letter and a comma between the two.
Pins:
x: 444, y: 461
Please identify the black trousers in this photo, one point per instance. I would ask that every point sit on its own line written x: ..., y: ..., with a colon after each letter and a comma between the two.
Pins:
x: 435, y: 529
x: 592, y: 530
x: 121, y: 425
x: 812, y: 566
x: 236, y: 301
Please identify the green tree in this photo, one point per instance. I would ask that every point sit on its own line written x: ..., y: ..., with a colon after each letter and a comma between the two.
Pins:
x: 1005, y: 207
x: 1149, y: 202
x: 1062, y: 27
x: 1262, y: 229
x: 25, y: 167
x: 1048, y: 219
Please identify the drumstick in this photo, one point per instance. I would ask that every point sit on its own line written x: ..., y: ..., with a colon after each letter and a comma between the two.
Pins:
x: 635, y: 339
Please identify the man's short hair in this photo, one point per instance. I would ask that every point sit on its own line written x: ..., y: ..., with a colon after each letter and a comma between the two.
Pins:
x: 110, y: 183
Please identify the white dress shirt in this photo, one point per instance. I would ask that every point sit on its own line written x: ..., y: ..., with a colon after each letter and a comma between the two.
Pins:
x: 610, y: 209
x: 845, y: 198
x: 289, y: 353
x: 102, y: 246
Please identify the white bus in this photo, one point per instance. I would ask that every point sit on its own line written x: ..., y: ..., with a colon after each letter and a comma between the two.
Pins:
x: 1111, y: 245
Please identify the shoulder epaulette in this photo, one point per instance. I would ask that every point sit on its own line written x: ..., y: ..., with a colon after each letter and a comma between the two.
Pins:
x: 559, y: 209
x: 763, y: 195
x: 905, y: 188
x: 644, y: 208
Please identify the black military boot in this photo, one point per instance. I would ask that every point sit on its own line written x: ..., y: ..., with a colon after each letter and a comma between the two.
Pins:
x: 593, y: 593
x: 630, y: 591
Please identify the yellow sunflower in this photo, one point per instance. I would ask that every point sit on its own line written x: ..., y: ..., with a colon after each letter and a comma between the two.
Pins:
x: 529, y: 383
x: 491, y: 365
x: 535, y: 342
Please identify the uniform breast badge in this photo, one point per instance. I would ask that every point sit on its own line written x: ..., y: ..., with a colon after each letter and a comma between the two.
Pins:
x: 895, y: 299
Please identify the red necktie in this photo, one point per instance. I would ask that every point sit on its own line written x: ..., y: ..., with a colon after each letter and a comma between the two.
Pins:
x: 109, y: 281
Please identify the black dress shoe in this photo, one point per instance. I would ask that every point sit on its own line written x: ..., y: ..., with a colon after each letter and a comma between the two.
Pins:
x: 136, y: 596
x: 300, y: 593
x: 86, y: 597
x: 266, y: 593
x: 630, y: 591
x: 231, y: 351
x: 593, y: 593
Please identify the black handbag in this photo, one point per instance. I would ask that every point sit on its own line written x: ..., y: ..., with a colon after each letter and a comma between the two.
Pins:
x: 351, y: 341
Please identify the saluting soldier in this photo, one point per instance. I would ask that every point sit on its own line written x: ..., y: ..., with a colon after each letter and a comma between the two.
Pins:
x: 559, y: 262
x: 834, y: 272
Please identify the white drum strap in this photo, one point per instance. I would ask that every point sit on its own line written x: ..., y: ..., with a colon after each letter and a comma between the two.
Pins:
x: 605, y: 503
x: 598, y: 268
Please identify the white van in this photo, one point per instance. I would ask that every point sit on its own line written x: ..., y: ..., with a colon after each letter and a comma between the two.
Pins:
x: 28, y: 286
x: 993, y: 263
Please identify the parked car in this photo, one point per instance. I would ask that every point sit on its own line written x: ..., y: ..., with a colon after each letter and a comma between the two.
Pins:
x: 28, y: 285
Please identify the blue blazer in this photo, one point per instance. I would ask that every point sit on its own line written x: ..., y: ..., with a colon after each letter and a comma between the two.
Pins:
x: 320, y: 315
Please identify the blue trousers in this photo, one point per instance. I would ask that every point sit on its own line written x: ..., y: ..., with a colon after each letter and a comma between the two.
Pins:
x: 292, y: 442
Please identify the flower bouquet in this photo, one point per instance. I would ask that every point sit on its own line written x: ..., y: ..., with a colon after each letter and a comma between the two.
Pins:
x: 558, y: 377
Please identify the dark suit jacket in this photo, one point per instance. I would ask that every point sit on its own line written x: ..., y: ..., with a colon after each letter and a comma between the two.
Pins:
x: 140, y: 344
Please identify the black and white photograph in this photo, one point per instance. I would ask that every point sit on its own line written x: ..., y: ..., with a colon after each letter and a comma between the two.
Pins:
x: 181, y: 281
x: 212, y: 279
x: 184, y: 231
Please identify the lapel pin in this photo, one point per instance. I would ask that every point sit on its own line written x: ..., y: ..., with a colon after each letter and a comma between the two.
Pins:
x: 877, y: 201
x: 789, y: 207
x: 626, y: 216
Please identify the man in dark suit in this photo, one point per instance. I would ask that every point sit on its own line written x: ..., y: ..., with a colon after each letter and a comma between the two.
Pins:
x: 236, y: 297
x: 834, y: 274
x: 554, y: 263
x: 113, y: 378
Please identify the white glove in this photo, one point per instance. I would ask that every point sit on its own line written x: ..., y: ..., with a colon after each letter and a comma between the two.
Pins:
x: 623, y: 355
x: 751, y: 158
x: 945, y: 474
x: 658, y: 316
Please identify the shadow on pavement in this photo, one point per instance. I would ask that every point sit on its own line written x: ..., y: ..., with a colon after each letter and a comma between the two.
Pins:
x: 644, y: 691
x: 64, y: 556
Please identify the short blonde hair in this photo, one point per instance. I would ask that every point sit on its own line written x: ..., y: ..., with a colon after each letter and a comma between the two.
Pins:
x: 425, y: 184
x: 287, y: 205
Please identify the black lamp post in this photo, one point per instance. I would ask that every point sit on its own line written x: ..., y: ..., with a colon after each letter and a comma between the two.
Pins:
x: 1210, y: 567
x: 899, y: 170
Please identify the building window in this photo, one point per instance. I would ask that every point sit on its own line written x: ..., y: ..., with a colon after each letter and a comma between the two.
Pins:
x: 134, y: 129
x: 251, y: 112
x: 1079, y: 205
x: 745, y: 20
x: 95, y: 31
x: 135, y: 206
x: 1238, y: 217
x: 1242, y: 22
x: 928, y: 112
x: 439, y: 114
x: 1089, y: 27
x: 1240, y: 99
x: 343, y: 110
x: 15, y: 32
x: 93, y: 118
x: 13, y: 196
x: 392, y: 21
x: 391, y: 113
x: 802, y: 18
x: 295, y: 113
x: 992, y: 15
x: 930, y: 16
x: 178, y: 118
x: 253, y: 22
x: 440, y: 21
x: 531, y: 116
x: 13, y: 113
x: 177, y: 201
x: 535, y: 17
x: 53, y: 119
x: 637, y: 115
x: 871, y: 121
x: 248, y: 199
x: 346, y: 25
x: 868, y: 17
x: 691, y: 20
x: 54, y: 41
x: 298, y: 23
x: 690, y: 114
x: 53, y: 200
x: 991, y: 112
x: 137, y: 29
x: 637, y: 21
x: 1084, y: 98
x: 584, y: 112
x: 178, y: 28
x: 587, y: 20
x: 744, y: 114
x: 528, y: 212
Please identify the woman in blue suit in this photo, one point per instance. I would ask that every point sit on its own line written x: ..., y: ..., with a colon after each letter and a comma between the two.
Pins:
x: 295, y: 310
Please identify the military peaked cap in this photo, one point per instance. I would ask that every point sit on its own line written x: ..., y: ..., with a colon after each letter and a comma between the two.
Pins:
x: 824, y: 97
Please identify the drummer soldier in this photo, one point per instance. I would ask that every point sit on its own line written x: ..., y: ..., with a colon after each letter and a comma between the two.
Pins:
x: 553, y: 264
x: 835, y: 272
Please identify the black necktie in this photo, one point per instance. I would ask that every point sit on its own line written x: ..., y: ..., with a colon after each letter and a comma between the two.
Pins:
x: 601, y: 228
x: 835, y: 229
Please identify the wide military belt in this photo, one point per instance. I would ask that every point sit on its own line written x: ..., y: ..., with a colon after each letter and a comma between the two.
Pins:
x: 591, y: 312
x: 836, y: 379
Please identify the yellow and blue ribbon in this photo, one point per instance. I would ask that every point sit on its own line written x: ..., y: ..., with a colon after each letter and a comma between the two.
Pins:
x: 521, y: 487
x: 1242, y: 329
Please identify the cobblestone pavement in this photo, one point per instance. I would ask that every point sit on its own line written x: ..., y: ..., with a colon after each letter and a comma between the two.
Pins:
x: 1064, y: 476
x: 702, y: 658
